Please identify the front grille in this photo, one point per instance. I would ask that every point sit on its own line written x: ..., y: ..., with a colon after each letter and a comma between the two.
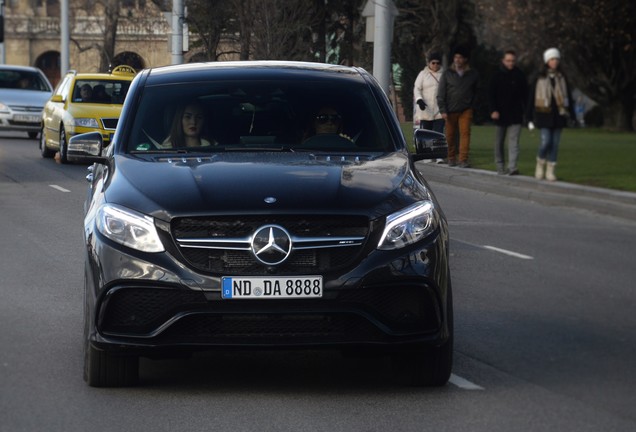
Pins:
x: 110, y: 123
x: 230, y: 261
x: 27, y: 108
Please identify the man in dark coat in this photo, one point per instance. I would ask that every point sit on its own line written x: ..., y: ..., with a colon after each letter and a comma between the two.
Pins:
x: 455, y: 99
x: 508, y: 94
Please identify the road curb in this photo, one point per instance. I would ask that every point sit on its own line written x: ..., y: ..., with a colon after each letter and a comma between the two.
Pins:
x: 598, y: 200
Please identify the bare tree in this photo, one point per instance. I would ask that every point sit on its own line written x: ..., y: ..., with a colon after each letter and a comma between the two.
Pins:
x: 111, y: 19
x: 597, y: 39
x: 210, y: 27
x: 281, y: 30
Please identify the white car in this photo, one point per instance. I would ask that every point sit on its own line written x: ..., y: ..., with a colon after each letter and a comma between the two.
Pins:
x: 23, y: 92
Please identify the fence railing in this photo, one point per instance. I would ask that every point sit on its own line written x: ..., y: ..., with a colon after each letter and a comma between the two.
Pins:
x: 86, y: 26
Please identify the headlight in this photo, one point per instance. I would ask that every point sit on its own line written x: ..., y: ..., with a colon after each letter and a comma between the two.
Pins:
x: 86, y: 122
x: 129, y: 228
x: 3, y: 107
x: 409, y: 225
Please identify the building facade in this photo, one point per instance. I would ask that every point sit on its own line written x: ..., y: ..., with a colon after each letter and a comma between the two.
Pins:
x: 32, y: 35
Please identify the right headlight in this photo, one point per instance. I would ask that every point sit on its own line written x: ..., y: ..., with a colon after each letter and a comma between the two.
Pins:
x: 86, y: 122
x: 409, y: 225
x: 129, y: 228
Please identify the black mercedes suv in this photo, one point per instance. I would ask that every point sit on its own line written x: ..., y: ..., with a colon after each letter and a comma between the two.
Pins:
x: 262, y: 205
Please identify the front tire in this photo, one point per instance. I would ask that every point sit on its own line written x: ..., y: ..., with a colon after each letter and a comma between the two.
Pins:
x: 44, y: 150
x: 429, y: 366
x: 103, y: 369
x: 63, y: 146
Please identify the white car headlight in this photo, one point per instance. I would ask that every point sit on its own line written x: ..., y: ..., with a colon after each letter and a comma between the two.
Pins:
x: 86, y: 122
x: 3, y: 107
x: 409, y: 225
x: 129, y: 228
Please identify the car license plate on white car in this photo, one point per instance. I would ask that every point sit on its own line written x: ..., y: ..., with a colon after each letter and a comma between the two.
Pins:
x: 252, y: 287
x: 26, y: 118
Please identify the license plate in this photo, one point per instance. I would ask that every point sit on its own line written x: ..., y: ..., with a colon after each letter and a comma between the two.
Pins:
x: 26, y: 118
x: 271, y: 287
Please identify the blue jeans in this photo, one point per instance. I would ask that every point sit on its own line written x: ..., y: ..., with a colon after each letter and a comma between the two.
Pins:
x: 549, y: 148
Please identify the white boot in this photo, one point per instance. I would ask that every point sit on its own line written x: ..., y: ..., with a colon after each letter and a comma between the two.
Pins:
x: 538, y: 172
x: 549, y: 173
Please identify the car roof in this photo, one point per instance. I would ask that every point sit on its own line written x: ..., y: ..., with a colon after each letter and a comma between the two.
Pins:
x: 265, y: 69
x: 19, y: 68
x: 120, y: 72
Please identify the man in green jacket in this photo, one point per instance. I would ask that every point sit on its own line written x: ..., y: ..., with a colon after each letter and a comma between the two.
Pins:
x: 456, y: 98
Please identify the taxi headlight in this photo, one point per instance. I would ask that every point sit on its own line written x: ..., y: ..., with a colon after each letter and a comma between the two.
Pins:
x: 129, y: 228
x: 87, y: 122
x: 409, y: 225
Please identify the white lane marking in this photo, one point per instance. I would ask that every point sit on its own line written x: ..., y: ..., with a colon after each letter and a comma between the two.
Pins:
x: 60, y: 188
x: 463, y: 383
x: 507, y: 252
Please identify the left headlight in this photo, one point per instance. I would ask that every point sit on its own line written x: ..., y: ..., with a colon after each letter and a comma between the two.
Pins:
x: 86, y: 122
x: 129, y: 228
x: 409, y: 225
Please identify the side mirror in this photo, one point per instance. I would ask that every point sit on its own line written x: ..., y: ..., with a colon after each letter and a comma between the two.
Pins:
x: 57, y: 98
x: 429, y: 145
x: 86, y: 147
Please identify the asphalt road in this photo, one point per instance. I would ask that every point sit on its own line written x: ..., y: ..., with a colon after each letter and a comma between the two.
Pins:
x: 545, y: 330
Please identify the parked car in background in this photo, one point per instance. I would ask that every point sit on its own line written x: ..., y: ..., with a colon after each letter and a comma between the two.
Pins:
x: 23, y: 92
x: 261, y: 205
x: 83, y: 102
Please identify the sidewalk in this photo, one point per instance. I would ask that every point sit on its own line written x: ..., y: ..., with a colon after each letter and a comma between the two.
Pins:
x: 598, y: 200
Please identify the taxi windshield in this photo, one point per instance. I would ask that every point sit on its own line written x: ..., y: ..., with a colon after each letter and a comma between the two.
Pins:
x: 100, y: 91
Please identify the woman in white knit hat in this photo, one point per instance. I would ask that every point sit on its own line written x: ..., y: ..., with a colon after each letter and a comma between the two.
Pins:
x: 550, y: 109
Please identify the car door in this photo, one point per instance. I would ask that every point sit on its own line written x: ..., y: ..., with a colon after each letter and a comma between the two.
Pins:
x: 54, y: 111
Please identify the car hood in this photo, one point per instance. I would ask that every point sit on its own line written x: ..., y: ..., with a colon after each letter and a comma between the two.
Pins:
x: 234, y: 183
x: 31, y: 98
x: 90, y: 110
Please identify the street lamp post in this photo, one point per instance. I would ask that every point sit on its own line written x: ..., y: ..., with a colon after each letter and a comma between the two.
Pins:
x: 2, y: 55
x: 64, y: 38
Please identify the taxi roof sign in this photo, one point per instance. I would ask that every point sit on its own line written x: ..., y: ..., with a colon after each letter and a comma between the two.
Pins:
x: 124, y: 70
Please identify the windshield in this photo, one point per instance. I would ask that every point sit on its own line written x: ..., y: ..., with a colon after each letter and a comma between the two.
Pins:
x: 259, y: 115
x: 100, y: 91
x: 25, y: 80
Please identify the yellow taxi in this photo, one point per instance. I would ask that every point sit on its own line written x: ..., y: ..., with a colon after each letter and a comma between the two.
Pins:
x: 83, y: 102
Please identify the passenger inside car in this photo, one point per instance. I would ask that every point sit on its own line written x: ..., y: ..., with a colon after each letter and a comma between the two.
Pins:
x: 187, y: 127
x: 100, y: 95
x: 326, y: 127
x: 85, y: 93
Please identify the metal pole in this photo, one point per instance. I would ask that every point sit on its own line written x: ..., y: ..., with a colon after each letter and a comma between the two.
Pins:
x: 3, y: 57
x: 382, y: 44
x: 64, y: 38
x: 177, y: 31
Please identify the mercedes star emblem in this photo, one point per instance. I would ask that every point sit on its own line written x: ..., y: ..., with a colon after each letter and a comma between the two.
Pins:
x: 271, y: 244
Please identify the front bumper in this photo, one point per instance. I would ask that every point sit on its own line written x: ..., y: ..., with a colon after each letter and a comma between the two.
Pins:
x: 140, y: 303
x: 20, y: 121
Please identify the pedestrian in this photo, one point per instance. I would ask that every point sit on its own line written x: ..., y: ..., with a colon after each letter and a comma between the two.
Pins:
x: 550, y: 109
x: 426, y: 111
x: 456, y: 98
x: 508, y: 93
